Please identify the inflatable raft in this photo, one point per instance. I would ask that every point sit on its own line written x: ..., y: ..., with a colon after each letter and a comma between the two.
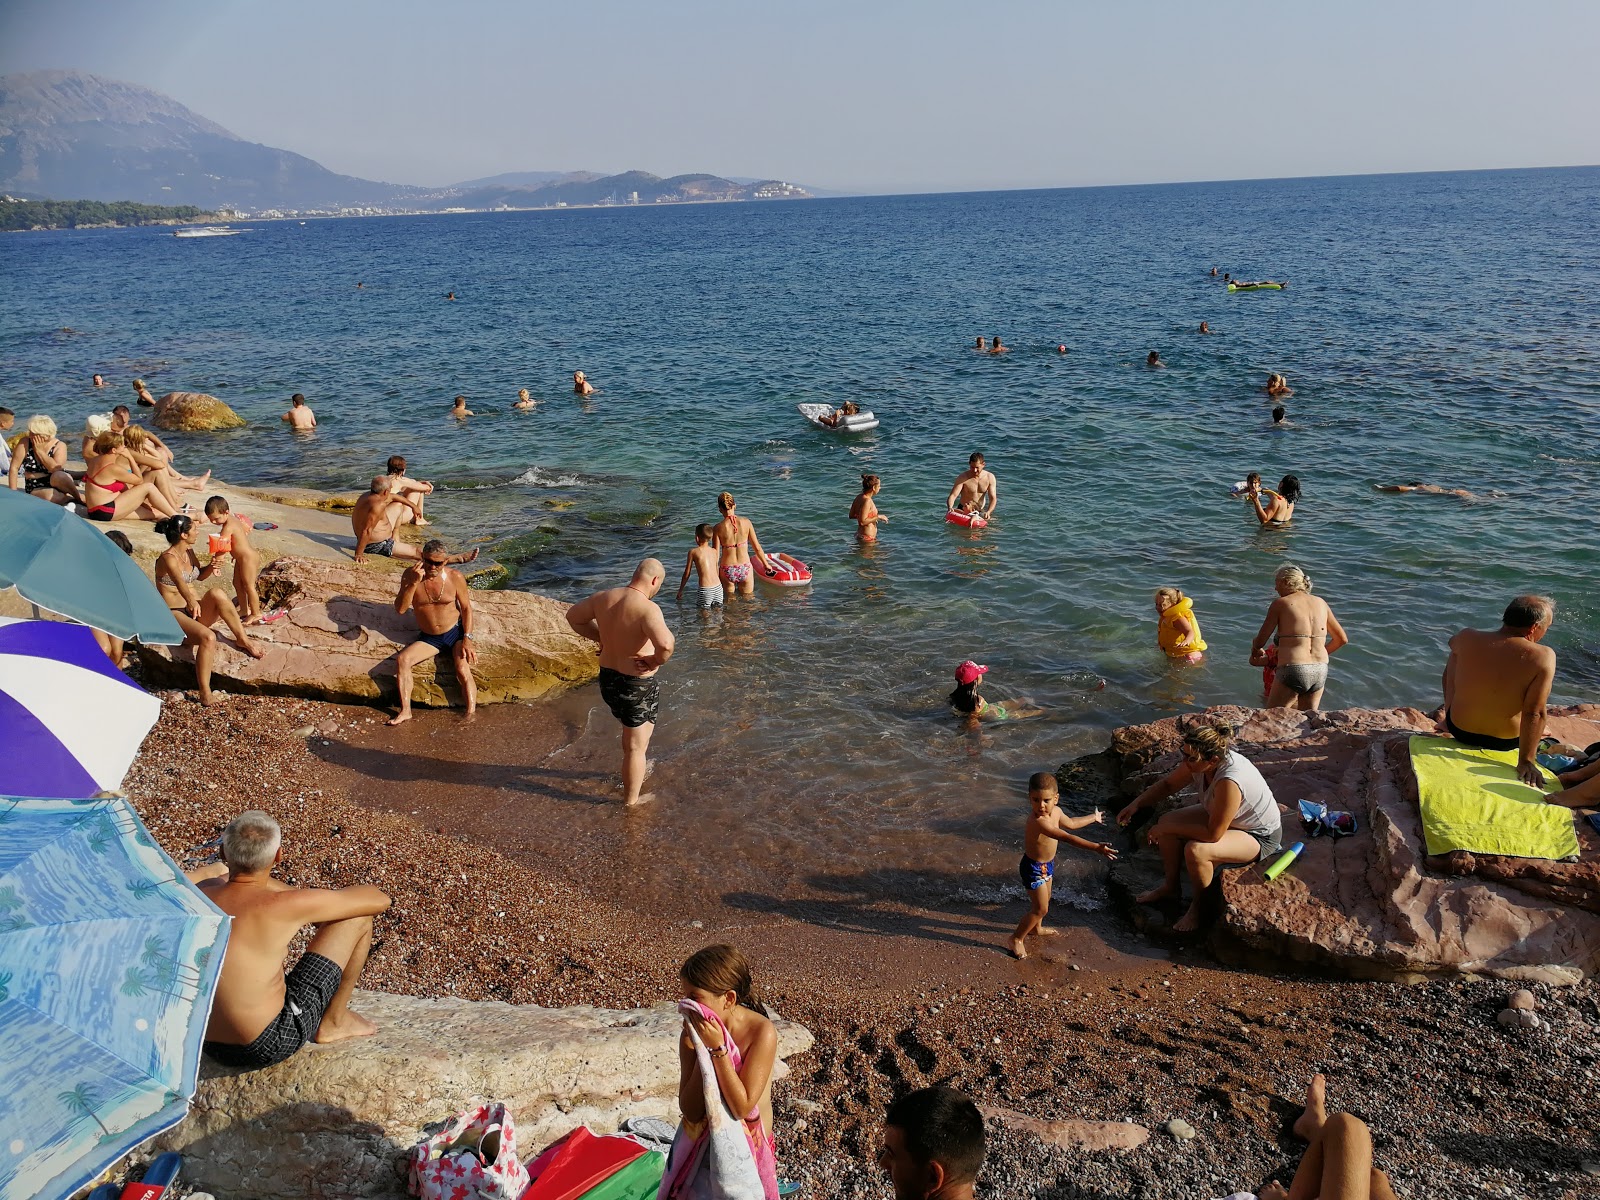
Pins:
x: 970, y: 520
x: 1255, y: 287
x: 855, y: 423
x: 787, y: 571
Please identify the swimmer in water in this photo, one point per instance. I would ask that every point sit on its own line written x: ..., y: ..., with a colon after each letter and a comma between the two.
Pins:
x: 460, y: 410
x: 1213, y: 272
x: 980, y: 344
x: 1204, y: 327
x: 966, y: 701
x: 973, y: 488
x: 1281, y: 510
x: 524, y: 400
x: 997, y: 348
x: 1277, y: 385
x: 1153, y: 359
x: 99, y: 381
x: 450, y: 296
x: 581, y: 385
x: 864, y: 512
x: 1427, y: 489
x: 1278, y: 415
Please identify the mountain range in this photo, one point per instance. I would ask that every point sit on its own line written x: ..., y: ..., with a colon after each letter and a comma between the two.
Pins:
x: 72, y: 135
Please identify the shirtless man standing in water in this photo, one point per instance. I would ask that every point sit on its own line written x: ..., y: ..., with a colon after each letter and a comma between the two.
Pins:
x: 261, y: 1016
x: 1496, y: 685
x: 971, y: 487
x: 634, y: 644
x: 444, y: 622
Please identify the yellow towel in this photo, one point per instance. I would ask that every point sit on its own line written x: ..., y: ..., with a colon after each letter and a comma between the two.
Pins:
x: 1473, y: 800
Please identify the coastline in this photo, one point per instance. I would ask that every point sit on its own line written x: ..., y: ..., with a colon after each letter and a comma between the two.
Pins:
x: 1103, y: 1026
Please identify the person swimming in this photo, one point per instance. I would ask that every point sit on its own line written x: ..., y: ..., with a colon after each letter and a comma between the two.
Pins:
x: 1153, y: 359
x: 966, y: 700
x: 1281, y: 510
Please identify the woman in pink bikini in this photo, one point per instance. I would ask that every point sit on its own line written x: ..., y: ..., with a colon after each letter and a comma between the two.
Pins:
x: 735, y: 537
x: 113, y: 489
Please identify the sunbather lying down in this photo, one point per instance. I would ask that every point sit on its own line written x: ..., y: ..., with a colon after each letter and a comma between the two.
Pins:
x: 1338, y: 1163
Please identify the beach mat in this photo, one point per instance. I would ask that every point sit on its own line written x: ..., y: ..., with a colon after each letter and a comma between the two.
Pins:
x: 1472, y: 800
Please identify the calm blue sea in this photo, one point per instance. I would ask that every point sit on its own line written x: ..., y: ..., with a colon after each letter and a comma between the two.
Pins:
x: 1439, y: 327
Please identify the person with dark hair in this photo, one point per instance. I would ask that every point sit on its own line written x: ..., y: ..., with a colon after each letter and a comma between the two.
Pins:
x: 176, y: 573
x: 933, y: 1145
x: 996, y: 346
x: 1046, y: 828
x: 1281, y: 510
x: 7, y: 420
x: 1427, y: 489
x: 112, y: 645
x: 1235, y: 821
x: 1497, y: 684
x: 864, y: 510
x: 444, y: 622
x: 1278, y: 414
x: 416, y: 490
x: 299, y: 416
x: 1153, y: 359
x: 972, y: 488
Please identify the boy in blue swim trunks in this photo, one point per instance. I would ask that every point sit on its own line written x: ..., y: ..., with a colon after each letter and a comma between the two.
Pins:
x: 1047, y: 827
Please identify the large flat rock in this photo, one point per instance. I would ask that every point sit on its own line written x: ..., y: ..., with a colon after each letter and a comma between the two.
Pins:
x: 1373, y: 905
x: 336, y: 1121
x: 341, y: 634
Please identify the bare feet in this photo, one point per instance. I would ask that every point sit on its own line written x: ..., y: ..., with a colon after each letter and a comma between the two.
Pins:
x: 350, y: 1025
x: 1047, y: 931
x: 399, y: 718
x: 644, y: 799
x: 1316, y: 1114
x: 1018, y: 950
x: 1156, y: 895
x: 1189, y: 922
x: 422, y: 521
x: 210, y: 699
x: 253, y: 650
x: 1273, y: 1191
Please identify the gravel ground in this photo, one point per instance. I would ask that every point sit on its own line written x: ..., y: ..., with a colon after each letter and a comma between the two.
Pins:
x: 1459, y: 1105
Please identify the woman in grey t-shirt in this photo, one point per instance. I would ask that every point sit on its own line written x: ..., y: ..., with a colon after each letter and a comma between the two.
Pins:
x: 1236, y: 820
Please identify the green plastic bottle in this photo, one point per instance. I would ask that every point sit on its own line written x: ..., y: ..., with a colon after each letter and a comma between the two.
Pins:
x: 1284, y: 859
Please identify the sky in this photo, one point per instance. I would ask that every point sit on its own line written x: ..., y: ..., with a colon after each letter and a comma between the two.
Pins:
x: 859, y: 95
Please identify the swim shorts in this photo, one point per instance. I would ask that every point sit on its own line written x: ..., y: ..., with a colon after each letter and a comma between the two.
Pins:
x: 385, y: 548
x: 1304, y: 678
x: 735, y: 572
x: 632, y: 699
x: 443, y: 642
x: 1035, y: 874
x: 307, y: 992
x: 711, y: 596
x: 1266, y: 843
x: 1480, y: 741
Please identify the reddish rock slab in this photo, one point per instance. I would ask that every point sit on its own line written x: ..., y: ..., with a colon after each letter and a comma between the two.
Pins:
x: 1073, y: 1135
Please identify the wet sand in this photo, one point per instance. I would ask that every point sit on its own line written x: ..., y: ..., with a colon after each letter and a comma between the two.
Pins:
x: 517, y: 876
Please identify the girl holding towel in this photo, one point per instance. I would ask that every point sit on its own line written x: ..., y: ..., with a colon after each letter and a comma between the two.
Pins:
x: 724, y: 1145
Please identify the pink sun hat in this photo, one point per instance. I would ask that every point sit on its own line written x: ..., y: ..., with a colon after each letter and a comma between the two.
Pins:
x: 969, y: 671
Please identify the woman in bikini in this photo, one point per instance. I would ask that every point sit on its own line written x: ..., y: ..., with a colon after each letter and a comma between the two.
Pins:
x: 113, y: 489
x: 153, y: 460
x: 1306, y: 632
x: 176, y: 572
x: 735, y: 537
x: 1280, y: 511
x: 38, y: 464
x: 864, y: 512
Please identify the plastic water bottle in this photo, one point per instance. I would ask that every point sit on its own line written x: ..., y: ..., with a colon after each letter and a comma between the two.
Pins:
x: 1284, y: 859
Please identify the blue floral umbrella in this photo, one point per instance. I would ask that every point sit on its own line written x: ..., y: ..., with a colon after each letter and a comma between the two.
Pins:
x: 108, y: 962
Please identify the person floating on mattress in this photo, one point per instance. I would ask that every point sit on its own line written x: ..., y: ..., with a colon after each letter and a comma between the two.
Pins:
x: 837, y: 418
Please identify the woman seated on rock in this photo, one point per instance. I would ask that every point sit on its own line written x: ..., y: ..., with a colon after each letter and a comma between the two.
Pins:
x: 176, y: 572
x: 112, y: 488
x: 152, y: 460
x: 93, y: 426
x: 1236, y: 821
x: 39, y: 464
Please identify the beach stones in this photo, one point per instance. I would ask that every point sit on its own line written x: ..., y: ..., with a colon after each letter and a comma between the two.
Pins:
x: 1522, y: 999
x: 194, y: 412
x: 1181, y: 1129
x: 333, y: 1121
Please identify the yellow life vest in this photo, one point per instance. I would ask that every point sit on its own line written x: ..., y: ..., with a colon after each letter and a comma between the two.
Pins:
x: 1174, y: 642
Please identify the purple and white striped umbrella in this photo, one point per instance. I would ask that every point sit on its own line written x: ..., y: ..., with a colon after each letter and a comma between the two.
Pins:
x: 72, y: 721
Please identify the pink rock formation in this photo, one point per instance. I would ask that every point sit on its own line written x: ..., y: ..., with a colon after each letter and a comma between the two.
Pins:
x: 1372, y: 905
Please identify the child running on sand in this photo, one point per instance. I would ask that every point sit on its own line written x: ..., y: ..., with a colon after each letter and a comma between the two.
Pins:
x: 1047, y: 826
x: 234, y: 539
x: 1179, y: 630
x: 864, y: 512
x: 722, y: 1013
x: 703, y: 562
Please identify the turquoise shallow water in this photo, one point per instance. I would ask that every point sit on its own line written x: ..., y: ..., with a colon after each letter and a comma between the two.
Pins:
x: 1441, y: 327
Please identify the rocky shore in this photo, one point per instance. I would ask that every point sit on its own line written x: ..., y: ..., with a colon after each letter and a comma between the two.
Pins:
x: 1460, y: 1104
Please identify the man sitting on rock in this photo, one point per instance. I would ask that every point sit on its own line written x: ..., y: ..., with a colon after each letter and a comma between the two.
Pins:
x: 443, y: 606
x: 932, y: 1145
x: 1496, y: 684
x: 261, y: 1016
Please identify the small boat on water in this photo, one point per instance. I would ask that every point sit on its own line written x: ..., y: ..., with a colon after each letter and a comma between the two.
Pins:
x: 1266, y: 285
x: 206, y: 231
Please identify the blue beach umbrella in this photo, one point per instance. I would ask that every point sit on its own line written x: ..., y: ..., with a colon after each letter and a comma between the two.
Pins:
x: 59, y: 561
x: 72, y: 721
x: 108, y: 963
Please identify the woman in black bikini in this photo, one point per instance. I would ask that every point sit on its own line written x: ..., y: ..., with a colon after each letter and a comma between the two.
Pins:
x: 1281, y: 510
x: 38, y: 465
x: 176, y: 572
x: 112, y: 488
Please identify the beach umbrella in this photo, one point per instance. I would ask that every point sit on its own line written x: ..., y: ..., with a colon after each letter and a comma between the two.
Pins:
x: 72, y: 721
x: 60, y: 561
x: 108, y: 963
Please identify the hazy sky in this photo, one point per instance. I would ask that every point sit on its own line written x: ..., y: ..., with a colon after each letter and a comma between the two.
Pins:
x: 859, y: 95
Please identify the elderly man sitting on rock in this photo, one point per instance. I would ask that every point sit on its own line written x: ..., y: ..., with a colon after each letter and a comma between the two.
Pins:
x: 1497, y: 684
x: 1236, y: 822
x: 260, y: 1015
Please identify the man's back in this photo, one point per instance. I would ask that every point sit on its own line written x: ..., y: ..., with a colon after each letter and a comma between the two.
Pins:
x: 266, y: 916
x: 1491, y: 675
x: 369, y: 508
x: 624, y: 615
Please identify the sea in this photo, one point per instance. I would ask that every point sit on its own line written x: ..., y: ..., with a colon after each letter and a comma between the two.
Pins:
x: 1436, y: 327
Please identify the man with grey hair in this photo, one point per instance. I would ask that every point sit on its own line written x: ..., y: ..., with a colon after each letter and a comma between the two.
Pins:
x: 1496, y: 684
x: 261, y: 1016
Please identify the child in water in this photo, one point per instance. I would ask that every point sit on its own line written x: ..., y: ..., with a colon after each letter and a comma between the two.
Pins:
x: 743, y: 1045
x: 1047, y: 827
x: 703, y: 562
x: 864, y: 512
x: 1179, y: 630
x: 965, y: 699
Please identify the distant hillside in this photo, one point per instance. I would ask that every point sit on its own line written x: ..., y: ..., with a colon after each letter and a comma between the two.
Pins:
x: 629, y: 187
x: 522, y: 179
x: 83, y: 214
x: 67, y: 133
